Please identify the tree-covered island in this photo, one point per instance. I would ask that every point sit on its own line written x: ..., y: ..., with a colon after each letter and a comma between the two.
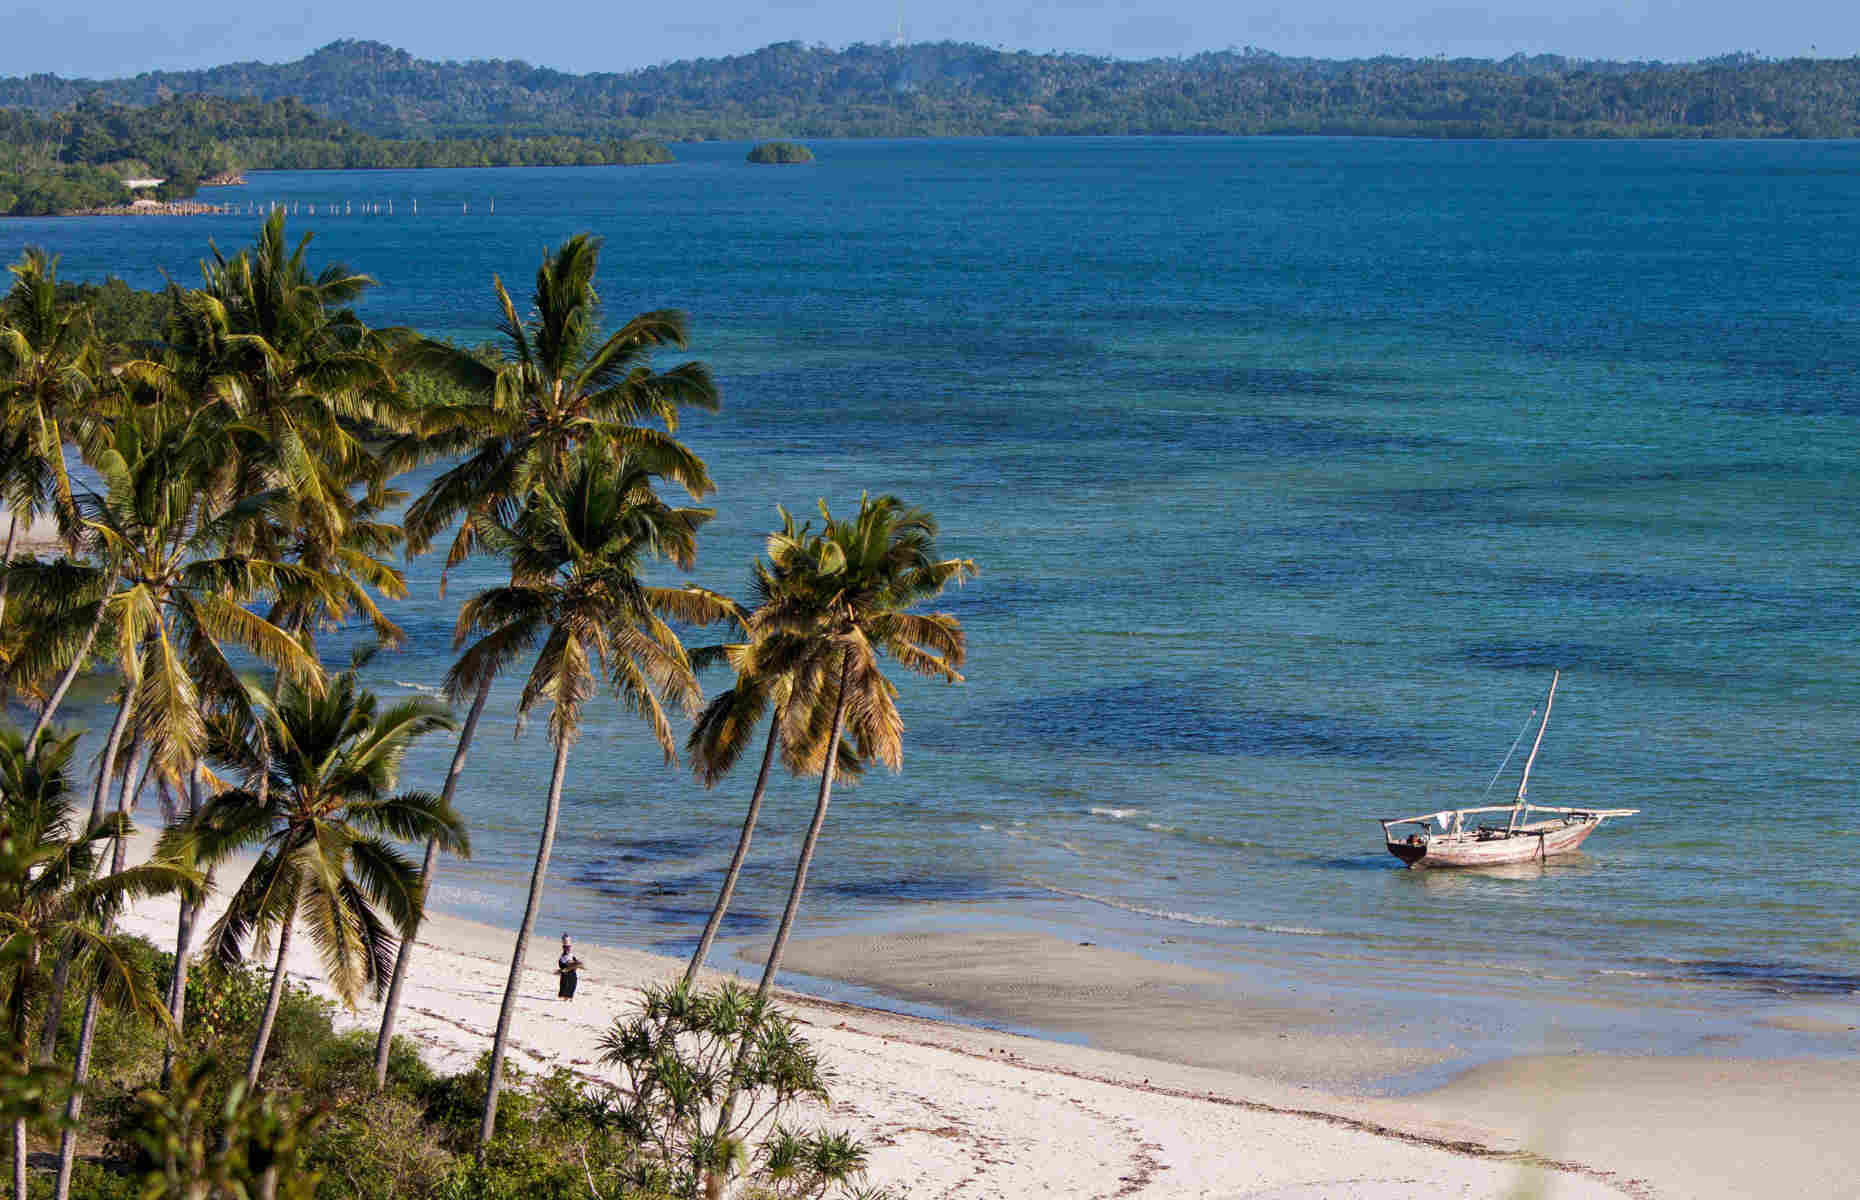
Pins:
x: 84, y: 157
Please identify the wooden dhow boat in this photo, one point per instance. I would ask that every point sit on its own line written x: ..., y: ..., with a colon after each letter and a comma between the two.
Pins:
x: 1530, y: 832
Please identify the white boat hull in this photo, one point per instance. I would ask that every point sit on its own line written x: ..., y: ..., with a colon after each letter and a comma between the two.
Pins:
x: 1527, y: 843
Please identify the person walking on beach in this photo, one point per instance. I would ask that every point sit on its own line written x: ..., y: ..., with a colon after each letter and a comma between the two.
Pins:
x: 567, y: 967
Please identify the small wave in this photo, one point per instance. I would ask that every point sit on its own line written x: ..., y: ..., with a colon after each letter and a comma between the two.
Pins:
x: 1116, y: 814
x: 424, y: 688
x: 986, y: 828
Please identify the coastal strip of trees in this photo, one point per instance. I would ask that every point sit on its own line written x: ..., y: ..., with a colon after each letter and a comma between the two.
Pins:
x: 952, y: 89
x: 242, y: 442
x: 82, y: 157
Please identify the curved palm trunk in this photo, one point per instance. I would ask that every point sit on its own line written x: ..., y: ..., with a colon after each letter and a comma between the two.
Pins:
x: 385, y: 1040
x: 736, y: 862
x: 106, y: 770
x: 499, y: 1042
x: 61, y: 973
x: 185, y: 921
x: 12, y: 536
x: 71, y: 673
x: 87, y: 1032
x: 265, y: 1023
x: 813, y: 836
x: 16, y: 1004
x: 794, y: 893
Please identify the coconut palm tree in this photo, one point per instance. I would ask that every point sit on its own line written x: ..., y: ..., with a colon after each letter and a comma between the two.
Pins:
x: 177, y: 597
x: 838, y: 601
x: 723, y: 730
x: 558, y: 386
x: 48, y: 374
x: 51, y: 894
x: 326, y: 818
x: 576, y: 550
x: 49, y: 382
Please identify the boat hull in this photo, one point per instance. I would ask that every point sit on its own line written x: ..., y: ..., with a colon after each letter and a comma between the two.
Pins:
x: 1530, y: 843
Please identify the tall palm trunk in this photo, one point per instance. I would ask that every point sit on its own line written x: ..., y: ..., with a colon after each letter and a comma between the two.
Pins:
x: 794, y: 893
x: 736, y: 862
x: 87, y: 1032
x: 61, y: 972
x: 385, y: 1040
x: 12, y: 536
x: 813, y: 834
x: 185, y: 921
x: 106, y: 770
x: 17, y: 1005
x: 277, y: 993
x: 71, y: 672
x: 499, y: 1042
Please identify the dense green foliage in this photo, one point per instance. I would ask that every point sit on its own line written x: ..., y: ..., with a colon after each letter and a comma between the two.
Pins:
x: 781, y: 152
x: 79, y: 158
x: 954, y: 89
x: 120, y: 314
x: 40, y: 191
x: 413, y: 1139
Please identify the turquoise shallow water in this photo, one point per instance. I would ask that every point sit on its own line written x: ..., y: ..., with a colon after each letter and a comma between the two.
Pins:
x: 1293, y: 468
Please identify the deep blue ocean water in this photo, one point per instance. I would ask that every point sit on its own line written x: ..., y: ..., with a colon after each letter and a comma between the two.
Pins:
x: 1293, y: 468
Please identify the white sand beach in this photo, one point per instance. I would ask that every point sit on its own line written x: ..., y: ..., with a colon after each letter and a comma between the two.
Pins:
x: 960, y: 1111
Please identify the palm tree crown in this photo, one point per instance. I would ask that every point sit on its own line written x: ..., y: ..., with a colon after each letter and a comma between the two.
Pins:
x: 559, y: 386
x: 326, y: 821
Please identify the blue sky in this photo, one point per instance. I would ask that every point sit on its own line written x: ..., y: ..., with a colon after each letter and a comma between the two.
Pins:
x: 105, y: 38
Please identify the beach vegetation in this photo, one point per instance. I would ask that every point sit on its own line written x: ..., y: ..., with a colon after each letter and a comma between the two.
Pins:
x: 56, y: 899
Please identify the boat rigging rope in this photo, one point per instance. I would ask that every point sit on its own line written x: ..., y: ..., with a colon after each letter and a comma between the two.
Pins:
x: 1519, y: 741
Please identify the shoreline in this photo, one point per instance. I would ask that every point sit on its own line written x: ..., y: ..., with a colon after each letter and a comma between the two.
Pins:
x: 957, y: 1109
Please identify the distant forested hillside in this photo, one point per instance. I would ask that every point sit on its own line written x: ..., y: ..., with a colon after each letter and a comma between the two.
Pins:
x: 951, y: 89
x: 78, y: 158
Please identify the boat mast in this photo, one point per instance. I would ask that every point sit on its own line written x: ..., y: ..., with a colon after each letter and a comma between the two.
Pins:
x: 1517, y: 805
